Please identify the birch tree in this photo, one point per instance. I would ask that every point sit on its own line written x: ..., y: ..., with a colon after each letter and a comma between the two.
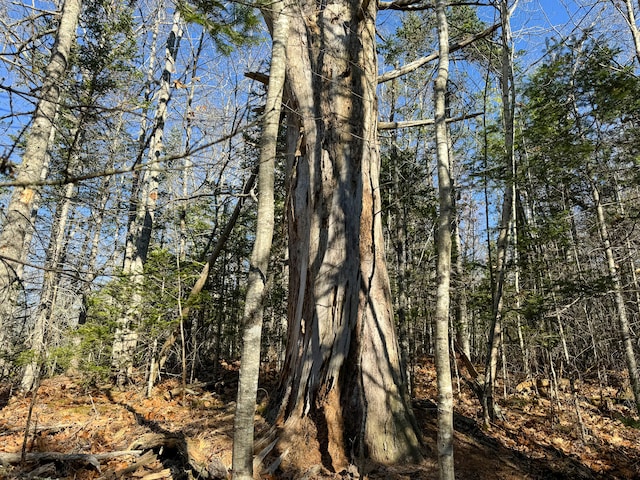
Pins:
x: 629, y: 16
x: 143, y: 210
x: 18, y: 221
x: 101, y: 70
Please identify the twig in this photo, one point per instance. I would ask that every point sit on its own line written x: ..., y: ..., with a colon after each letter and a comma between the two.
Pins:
x: 28, y: 425
x: 93, y: 405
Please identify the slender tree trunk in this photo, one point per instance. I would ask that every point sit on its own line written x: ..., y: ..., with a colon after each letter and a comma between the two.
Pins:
x: 463, y: 336
x: 201, y: 281
x: 443, y: 367
x: 630, y: 251
x: 398, y: 221
x: 343, y: 392
x: 461, y: 316
x: 624, y: 327
x: 142, y: 226
x: 187, y: 170
x: 630, y: 17
x: 524, y: 352
x: 51, y: 279
x: 105, y: 191
x: 125, y: 336
x: 507, y: 217
x: 17, y: 227
x: 91, y: 247
x: 55, y: 253
x: 137, y: 181
x: 140, y: 229
x: 254, y: 303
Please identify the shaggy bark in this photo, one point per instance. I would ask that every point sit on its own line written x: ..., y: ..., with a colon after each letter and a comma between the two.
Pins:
x: 342, y: 383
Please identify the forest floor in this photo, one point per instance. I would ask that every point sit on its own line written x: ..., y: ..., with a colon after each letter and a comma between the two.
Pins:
x: 96, y: 432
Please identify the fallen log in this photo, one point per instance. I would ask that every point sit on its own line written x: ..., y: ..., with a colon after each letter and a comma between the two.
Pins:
x: 92, y: 459
x: 166, y: 473
x: 146, y: 459
x: 189, y: 451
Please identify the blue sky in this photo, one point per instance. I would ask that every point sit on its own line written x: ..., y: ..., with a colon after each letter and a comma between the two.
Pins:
x: 536, y: 22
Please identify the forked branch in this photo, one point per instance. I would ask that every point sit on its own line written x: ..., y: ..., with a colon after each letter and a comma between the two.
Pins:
x: 411, y: 66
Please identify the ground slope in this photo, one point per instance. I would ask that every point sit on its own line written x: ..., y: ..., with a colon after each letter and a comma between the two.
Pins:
x: 82, y: 431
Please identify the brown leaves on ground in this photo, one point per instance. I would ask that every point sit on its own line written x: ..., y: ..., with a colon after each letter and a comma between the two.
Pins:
x: 541, y: 436
x: 182, y: 434
x: 72, y: 418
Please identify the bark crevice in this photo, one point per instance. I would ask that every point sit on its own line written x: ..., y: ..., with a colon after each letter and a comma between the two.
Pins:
x: 342, y: 381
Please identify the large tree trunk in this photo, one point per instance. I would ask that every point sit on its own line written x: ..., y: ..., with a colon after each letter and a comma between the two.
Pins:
x: 18, y: 225
x: 342, y: 382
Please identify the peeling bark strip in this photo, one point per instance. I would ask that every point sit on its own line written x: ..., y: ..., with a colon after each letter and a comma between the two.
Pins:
x: 342, y: 382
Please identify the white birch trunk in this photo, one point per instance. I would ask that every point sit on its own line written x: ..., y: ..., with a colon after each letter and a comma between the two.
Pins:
x: 630, y: 18
x: 18, y: 226
x: 141, y: 227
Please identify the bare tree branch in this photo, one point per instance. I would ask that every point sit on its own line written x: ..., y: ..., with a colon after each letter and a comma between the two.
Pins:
x: 425, y: 121
x: 411, y: 66
x: 131, y: 168
x: 414, y: 5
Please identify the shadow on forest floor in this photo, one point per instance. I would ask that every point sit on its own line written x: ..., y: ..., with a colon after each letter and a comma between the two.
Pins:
x: 179, y: 431
x: 5, y: 395
x: 479, y: 455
